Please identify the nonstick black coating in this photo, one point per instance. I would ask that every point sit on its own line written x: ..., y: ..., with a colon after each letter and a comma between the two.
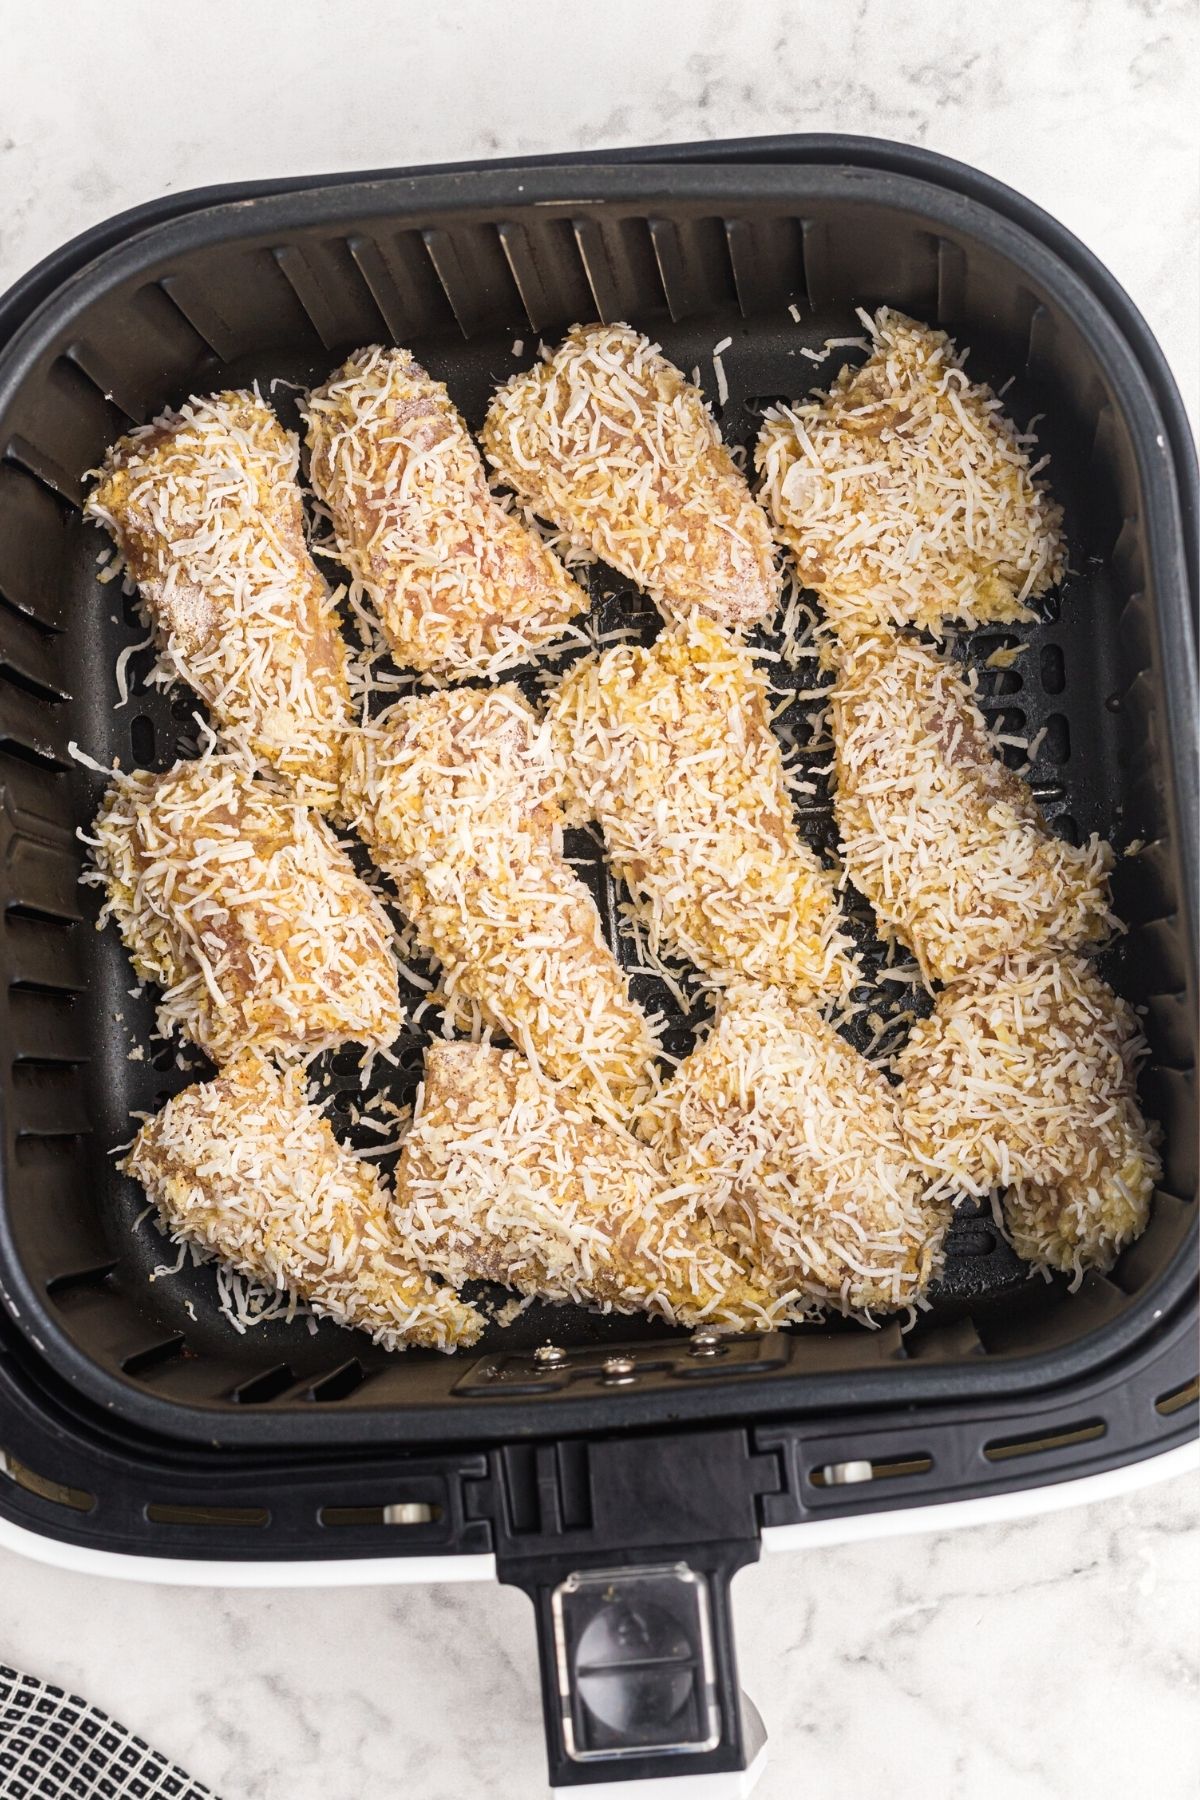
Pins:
x: 282, y: 311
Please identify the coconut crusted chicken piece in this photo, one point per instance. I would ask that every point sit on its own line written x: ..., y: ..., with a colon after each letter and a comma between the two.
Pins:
x: 945, y: 841
x: 796, y: 1140
x: 906, y: 495
x: 611, y: 444
x: 506, y: 1177
x: 245, y: 1167
x: 205, y: 510
x: 671, y: 749
x: 455, y: 795
x: 460, y: 585
x: 1024, y: 1080
x: 240, y: 903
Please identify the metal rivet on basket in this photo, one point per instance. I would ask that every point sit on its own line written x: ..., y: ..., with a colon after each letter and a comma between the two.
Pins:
x: 618, y: 1371
x: 705, y: 1343
x: 549, y: 1356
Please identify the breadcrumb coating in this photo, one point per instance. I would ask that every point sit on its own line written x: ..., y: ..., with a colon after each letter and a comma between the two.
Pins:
x: 245, y: 1167
x: 460, y: 585
x: 204, y: 507
x: 906, y: 495
x: 609, y: 442
x: 1024, y: 1080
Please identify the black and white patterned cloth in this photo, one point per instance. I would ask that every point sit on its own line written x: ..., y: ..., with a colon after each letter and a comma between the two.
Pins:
x: 54, y: 1746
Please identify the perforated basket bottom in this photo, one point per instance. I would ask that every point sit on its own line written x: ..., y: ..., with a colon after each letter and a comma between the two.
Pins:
x: 1057, y: 689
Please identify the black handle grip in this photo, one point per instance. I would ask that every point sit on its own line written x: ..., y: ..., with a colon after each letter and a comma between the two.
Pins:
x: 639, y: 1671
x: 627, y: 1548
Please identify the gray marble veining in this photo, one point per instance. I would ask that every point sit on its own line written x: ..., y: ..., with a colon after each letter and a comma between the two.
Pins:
x: 1041, y: 1660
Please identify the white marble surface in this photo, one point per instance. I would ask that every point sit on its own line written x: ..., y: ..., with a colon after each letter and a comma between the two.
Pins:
x: 1047, y: 1659
x: 1037, y: 1661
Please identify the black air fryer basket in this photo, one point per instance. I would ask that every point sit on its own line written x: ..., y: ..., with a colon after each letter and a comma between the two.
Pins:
x: 133, y: 1417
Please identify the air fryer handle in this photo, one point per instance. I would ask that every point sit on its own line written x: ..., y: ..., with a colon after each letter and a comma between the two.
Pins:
x: 627, y: 1547
x: 639, y: 1677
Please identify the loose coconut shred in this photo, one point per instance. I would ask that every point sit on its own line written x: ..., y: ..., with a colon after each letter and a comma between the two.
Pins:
x: 206, y: 512
x: 505, y: 1177
x: 906, y: 495
x: 945, y: 841
x: 671, y: 749
x: 1024, y: 1079
x: 460, y: 585
x: 245, y: 1167
x: 455, y: 795
x: 609, y: 442
x: 239, y: 902
x: 795, y: 1140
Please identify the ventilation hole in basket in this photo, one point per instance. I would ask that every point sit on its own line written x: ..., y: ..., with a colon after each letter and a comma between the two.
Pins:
x: 26, y: 753
x: 267, y: 1386
x: 28, y: 619
x: 131, y: 610
x: 1006, y: 721
x: 1175, y: 1399
x: 38, y: 915
x: 1065, y: 826
x: 141, y: 740
x: 338, y: 1383
x: 29, y: 684
x: 183, y: 706
x: 761, y: 403
x: 165, y: 1513
x: 972, y: 1238
x: 52, y: 990
x: 1056, y: 744
x: 1035, y: 1442
x: 1053, y: 669
x: 396, y: 1512
x: 93, y: 1276
x: 140, y: 1361
x: 996, y: 678
x: 853, y: 1470
x: 78, y: 1499
x: 165, y: 1057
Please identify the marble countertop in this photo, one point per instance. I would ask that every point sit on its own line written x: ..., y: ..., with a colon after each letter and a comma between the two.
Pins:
x: 1032, y: 1661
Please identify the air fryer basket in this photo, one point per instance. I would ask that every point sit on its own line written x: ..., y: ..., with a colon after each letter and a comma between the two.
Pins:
x: 463, y: 268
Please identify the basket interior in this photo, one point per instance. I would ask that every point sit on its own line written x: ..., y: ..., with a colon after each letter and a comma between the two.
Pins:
x: 472, y: 293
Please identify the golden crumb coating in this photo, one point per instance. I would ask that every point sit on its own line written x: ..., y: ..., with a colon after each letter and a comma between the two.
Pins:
x: 243, y: 1166
x: 796, y: 1141
x: 460, y: 585
x: 206, y: 512
x: 241, y: 905
x: 455, y: 795
x: 611, y: 444
x: 671, y: 749
x: 906, y: 495
x: 947, y: 843
x: 1024, y: 1080
x: 506, y: 1177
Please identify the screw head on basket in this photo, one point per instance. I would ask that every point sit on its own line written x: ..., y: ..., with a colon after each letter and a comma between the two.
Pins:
x: 705, y: 1343
x: 549, y: 1356
x: 618, y: 1371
